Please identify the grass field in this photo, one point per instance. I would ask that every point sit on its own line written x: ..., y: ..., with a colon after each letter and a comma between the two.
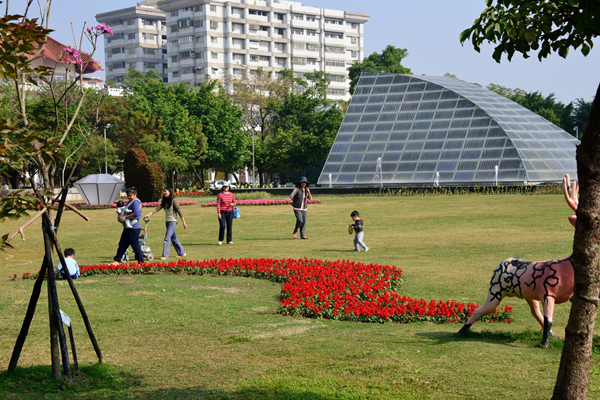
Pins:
x: 189, y: 337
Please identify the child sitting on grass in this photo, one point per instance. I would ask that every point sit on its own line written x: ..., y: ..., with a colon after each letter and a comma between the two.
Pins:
x: 72, y: 267
x: 357, y: 226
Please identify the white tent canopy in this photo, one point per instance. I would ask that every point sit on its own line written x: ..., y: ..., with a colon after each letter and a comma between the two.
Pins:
x: 99, y: 188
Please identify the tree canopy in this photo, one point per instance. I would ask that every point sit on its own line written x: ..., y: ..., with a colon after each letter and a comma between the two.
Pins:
x: 390, y: 61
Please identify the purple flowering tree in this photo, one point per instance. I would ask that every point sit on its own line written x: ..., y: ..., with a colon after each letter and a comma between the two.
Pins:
x: 27, y: 148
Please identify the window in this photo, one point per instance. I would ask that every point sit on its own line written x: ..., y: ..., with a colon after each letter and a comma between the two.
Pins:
x: 297, y: 31
x: 311, y: 33
x: 214, y: 55
x: 131, y: 21
x: 265, y: 28
x: 173, y: 58
x: 185, y: 39
x: 253, y: 44
x: 298, y: 60
x: 311, y: 61
x: 118, y: 65
x: 213, y: 8
x: 311, y: 18
x: 298, y: 17
x: 335, y: 49
x: 260, y: 13
x: 334, y: 21
x: 353, y: 40
x: 337, y: 78
x: 334, y: 35
x: 214, y: 25
x: 118, y: 36
x: 279, y: 16
x: 264, y: 58
x: 254, y: 27
x: 336, y: 92
x: 148, y: 36
x: 165, y: 67
x: 299, y: 46
x: 312, y: 47
x: 186, y: 70
x: 185, y: 55
x: 188, y: 9
x: 174, y: 29
x: 280, y: 47
x: 354, y: 25
x: 150, y: 65
x: 118, y: 50
x: 197, y: 8
x: 149, y: 51
x: 265, y: 44
x: 174, y: 13
x: 280, y: 61
x: 238, y: 42
x: 175, y: 74
x: 199, y: 54
x: 131, y: 36
x: 213, y: 39
x: 280, y: 31
x: 253, y: 58
x: 146, y: 21
x: 238, y: 28
x: 335, y: 63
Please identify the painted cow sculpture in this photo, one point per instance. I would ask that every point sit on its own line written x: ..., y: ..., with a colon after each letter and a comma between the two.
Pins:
x: 549, y: 282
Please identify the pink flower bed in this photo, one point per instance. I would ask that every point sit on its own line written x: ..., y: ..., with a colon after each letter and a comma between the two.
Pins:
x: 86, y: 206
x: 261, y: 202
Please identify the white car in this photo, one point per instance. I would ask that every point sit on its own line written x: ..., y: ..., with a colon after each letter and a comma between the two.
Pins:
x: 219, y: 185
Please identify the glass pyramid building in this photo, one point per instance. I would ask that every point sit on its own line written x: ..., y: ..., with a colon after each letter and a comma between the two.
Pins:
x: 405, y: 130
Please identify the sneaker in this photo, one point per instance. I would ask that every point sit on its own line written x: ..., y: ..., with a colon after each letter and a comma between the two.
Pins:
x: 163, y: 258
x: 356, y: 250
x: 220, y: 243
x: 304, y: 237
x: 181, y: 255
x: 367, y: 249
x: 294, y: 236
x: 229, y: 242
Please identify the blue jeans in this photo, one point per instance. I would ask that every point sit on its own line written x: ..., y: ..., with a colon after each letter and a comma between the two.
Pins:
x: 130, y: 237
x: 226, y: 220
x: 171, y: 237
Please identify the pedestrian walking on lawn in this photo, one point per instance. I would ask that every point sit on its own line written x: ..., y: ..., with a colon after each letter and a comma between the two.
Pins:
x: 131, y: 236
x: 172, y: 210
x: 225, y: 204
x: 357, y: 227
x: 300, y: 197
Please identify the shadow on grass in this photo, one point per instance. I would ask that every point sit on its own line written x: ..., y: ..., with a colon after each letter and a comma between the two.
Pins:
x: 527, y: 338
x: 105, y: 381
x: 91, y: 381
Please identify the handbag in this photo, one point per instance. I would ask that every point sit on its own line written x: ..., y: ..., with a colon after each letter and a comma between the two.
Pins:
x: 236, y: 212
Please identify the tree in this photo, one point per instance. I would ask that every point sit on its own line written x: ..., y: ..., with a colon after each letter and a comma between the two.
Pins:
x: 96, y: 152
x: 227, y: 147
x: 389, y: 61
x: 162, y: 153
x: 517, y: 26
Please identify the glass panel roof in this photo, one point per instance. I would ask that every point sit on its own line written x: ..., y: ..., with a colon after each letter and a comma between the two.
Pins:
x: 404, y: 129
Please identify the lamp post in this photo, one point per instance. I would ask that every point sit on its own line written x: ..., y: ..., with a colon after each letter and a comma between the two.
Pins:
x: 254, y: 132
x: 105, y: 157
x: 576, y: 132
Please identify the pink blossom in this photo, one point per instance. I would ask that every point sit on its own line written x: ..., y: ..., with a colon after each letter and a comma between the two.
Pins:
x: 73, y: 55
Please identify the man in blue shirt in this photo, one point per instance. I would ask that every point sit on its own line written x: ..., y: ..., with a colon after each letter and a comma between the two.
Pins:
x: 130, y: 236
x: 72, y: 267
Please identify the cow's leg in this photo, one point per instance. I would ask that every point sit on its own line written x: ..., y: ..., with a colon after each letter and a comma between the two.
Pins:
x: 548, y: 306
x: 534, y: 305
x: 487, y: 308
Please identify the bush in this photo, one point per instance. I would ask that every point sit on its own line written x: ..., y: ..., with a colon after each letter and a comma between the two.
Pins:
x: 145, y: 176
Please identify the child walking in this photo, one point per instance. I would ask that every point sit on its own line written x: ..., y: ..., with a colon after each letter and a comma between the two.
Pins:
x: 357, y: 226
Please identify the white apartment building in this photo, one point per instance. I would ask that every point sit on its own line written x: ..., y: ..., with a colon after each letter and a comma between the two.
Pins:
x: 138, y: 40
x: 221, y: 38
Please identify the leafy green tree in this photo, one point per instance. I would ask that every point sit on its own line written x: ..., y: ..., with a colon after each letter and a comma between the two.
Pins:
x: 151, y: 96
x: 581, y: 114
x: 390, y: 61
x: 227, y: 142
x: 93, y: 158
x: 517, y: 26
x: 162, y: 153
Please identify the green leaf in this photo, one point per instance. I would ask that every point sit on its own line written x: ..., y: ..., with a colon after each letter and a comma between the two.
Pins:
x: 489, y: 2
x: 530, y: 35
x: 563, y: 52
x: 464, y: 35
x: 574, y: 3
x: 585, y: 49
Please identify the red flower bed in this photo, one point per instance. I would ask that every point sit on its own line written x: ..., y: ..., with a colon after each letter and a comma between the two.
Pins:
x: 261, y: 202
x: 339, y: 290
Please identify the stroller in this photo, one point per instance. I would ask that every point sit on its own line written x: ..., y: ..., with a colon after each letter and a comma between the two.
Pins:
x: 142, y: 239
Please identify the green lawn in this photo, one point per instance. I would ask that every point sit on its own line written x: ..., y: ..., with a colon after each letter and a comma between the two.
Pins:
x: 180, y: 337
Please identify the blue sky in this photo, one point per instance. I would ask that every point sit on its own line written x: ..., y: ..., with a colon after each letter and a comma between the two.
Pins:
x: 428, y: 29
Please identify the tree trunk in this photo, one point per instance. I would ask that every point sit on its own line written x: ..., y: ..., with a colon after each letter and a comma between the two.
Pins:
x: 573, y: 375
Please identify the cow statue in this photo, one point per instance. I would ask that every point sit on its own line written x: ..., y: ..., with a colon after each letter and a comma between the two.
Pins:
x: 549, y: 282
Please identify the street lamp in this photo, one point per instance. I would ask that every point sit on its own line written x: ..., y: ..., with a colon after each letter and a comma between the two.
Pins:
x: 254, y: 131
x: 576, y: 132
x: 105, y: 157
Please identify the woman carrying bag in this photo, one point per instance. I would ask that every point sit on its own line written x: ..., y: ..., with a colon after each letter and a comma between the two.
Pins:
x: 172, y: 209
x: 225, y: 204
x: 300, y: 197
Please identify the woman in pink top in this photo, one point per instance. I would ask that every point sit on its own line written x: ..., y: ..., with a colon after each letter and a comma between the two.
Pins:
x: 225, y: 204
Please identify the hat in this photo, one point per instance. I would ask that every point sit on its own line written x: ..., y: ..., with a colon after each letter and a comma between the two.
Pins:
x: 225, y: 183
x: 303, y: 179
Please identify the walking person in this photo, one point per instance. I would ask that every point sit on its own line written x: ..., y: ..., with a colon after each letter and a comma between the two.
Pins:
x: 357, y: 227
x: 225, y: 204
x: 300, y: 197
x: 131, y: 236
x: 172, y: 209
